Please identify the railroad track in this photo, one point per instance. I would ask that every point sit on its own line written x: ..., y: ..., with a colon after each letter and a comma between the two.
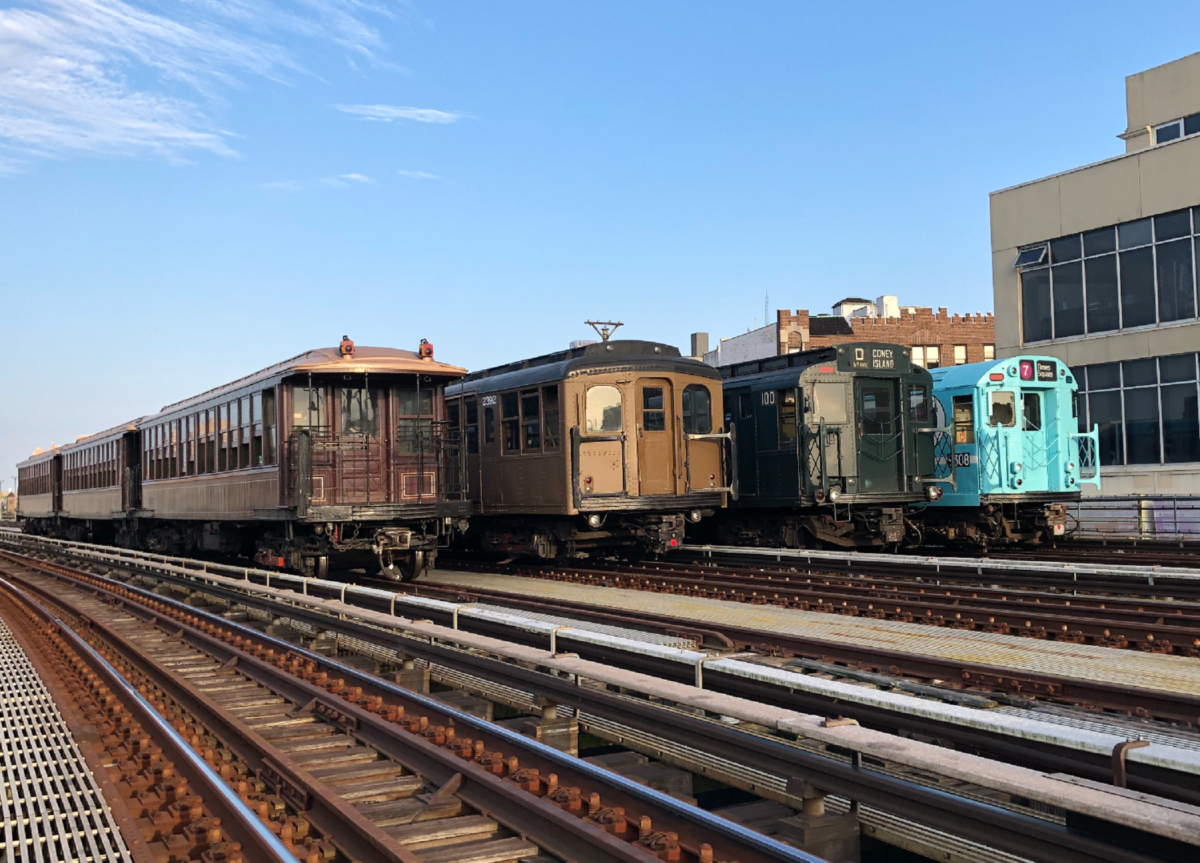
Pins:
x: 367, y: 770
x: 901, y: 795
x: 1159, y: 626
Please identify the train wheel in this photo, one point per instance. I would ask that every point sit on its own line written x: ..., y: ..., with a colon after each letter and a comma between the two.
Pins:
x: 412, y: 566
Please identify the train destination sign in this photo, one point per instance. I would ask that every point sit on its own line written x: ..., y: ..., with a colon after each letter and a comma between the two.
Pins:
x: 874, y: 358
x: 1046, y: 371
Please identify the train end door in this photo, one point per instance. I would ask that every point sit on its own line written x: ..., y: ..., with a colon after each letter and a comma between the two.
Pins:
x: 880, y: 435
x: 655, y: 404
x: 739, y: 413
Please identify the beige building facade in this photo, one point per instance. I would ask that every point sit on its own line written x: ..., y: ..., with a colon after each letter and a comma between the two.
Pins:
x: 1097, y: 266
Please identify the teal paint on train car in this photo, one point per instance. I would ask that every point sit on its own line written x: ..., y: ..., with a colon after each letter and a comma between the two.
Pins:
x: 1015, y: 431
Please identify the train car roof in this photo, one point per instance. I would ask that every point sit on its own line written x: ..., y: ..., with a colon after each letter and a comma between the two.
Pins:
x: 556, y: 366
x: 98, y: 437
x: 330, y: 360
x: 974, y: 374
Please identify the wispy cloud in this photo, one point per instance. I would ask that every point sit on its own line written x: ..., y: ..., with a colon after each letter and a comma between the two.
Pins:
x: 336, y: 181
x: 391, y: 113
x: 420, y: 175
x: 119, y: 78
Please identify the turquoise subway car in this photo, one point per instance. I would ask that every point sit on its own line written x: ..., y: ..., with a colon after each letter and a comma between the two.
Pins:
x: 1017, y: 456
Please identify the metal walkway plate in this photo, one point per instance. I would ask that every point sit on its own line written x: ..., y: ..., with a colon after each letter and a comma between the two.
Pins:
x: 52, y: 806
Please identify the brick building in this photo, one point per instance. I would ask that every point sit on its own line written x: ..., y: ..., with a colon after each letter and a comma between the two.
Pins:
x: 936, y: 338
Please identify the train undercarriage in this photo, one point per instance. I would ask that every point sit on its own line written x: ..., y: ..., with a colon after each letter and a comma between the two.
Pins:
x: 994, y: 524
x: 396, y: 552
x: 630, y: 535
x: 833, y: 526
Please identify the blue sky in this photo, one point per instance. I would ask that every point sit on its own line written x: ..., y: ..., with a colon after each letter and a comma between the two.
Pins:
x: 193, y: 189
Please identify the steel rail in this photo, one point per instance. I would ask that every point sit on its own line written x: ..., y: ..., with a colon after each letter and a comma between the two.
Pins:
x: 853, y: 784
x: 237, y: 819
x: 557, y: 831
x: 1034, y: 753
x: 1162, y: 627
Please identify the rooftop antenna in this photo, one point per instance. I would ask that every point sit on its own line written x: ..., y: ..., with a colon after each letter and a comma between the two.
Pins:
x: 604, y: 328
x: 766, y: 305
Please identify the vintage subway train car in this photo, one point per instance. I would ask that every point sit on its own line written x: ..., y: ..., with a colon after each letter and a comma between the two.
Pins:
x: 338, y: 453
x: 832, y: 445
x: 1018, y: 453
x: 609, y: 447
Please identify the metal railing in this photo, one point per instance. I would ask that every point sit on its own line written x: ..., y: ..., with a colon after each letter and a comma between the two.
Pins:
x: 1143, y: 518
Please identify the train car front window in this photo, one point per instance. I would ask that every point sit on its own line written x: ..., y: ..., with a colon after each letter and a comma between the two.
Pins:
x: 697, y: 410
x: 829, y: 402
x: 918, y: 404
x: 1002, y: 409
x: 654, y: 417
x: 308, y: 408
x: 359, y: 414
x: 1031, y: 411
x: 603, y: 412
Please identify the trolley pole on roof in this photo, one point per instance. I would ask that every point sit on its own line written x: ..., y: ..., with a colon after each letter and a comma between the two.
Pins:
x: 604, y: 328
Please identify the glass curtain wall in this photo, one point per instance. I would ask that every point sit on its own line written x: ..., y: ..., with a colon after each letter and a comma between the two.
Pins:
x: 1146, y: 409
x: 1136, y: 274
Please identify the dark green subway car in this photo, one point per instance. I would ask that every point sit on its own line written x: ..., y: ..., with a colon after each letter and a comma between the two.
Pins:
x: 832, y: 445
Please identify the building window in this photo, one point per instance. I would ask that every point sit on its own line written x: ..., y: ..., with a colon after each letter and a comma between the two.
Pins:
x: 960, y: 354
x: 989, y: 352
x: 1177, y: 129
x: 927, y: 356
x: 1146, y: 410
x: 1135, y: 274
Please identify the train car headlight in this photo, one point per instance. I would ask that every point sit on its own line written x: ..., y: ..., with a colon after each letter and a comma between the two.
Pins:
x: 1016, y: 467
x: 834, y: 494
x: 933, y: 492
x: 1070, y: 467
x: 695, y: 516
x: 594, y: 521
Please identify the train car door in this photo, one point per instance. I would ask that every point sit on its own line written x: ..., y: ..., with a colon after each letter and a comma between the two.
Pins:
x: 879, y: 432
x: 491, y: 492
x: 362, y: 449
x: 656, y: 436
x: 1034, y: 455
x: 739, y: 414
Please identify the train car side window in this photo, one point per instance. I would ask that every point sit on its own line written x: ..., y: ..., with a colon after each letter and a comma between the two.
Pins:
x: 964, y: 420
x: 247, y: 426
x: 489, y: 425
x: 786, y: 400
x: 256, y: 448
x: 269, y: 442
x: 472, y: 426
x: 918, y: 404
x: 697, y: 410
x: 829, y: 402
x: 1031, y: 411
x: 603, y: 412
x: 654, y: 416
x: 1002, y: 409
x: 744, y: 406
x: 510, y: 417
x: 531, y: 422
x: 550, y: 418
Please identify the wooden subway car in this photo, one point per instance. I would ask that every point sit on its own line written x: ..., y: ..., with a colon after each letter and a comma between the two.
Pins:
x: 598, y: 448
x: 832, y: 444
x: 338, y: 453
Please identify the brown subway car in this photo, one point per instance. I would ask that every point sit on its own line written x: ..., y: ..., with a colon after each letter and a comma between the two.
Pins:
x: 338, y: 453
x: 605, y: 447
